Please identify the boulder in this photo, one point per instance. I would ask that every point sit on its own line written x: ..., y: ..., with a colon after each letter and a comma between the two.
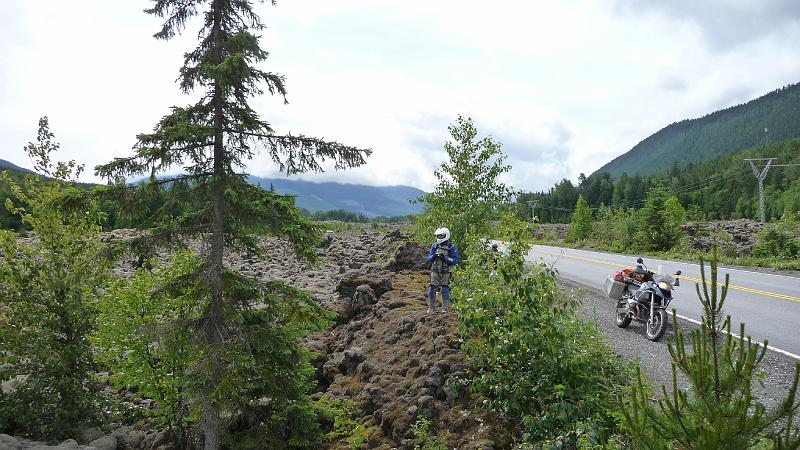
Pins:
x: 90, y: 434
x: 352, y: 358
x: 326, y: 241
x: 128, y: 438
x: 363, y: 296
x: 8, y: 442
x: 425, y: 406
x: 394, y: 235
x: 104, y: 443
x: 409, y: 256
x: 351, y: 280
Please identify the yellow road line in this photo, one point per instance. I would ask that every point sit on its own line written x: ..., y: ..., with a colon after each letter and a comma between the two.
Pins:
x: 697, y: 280
x: 751, y: 290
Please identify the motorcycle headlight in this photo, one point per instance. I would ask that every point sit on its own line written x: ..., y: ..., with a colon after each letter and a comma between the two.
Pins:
x: 664, y: 286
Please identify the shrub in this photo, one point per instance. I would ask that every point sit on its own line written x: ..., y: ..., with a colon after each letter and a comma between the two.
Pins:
x: 615, y: 228
x: 48, y: 288
x: 338, y: 413
x: 781, y: 241
x: 143, y: 339
x: 723, y: 240
x: 528, y: 354
x: 421, y: 430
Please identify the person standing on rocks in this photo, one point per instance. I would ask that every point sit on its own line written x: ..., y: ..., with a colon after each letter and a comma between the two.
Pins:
x: 442, y: 256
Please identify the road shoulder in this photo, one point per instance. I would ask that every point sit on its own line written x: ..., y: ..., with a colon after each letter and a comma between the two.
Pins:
x: 654, y: 358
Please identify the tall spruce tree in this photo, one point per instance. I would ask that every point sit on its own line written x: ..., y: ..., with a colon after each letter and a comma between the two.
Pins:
x: 212, y: 140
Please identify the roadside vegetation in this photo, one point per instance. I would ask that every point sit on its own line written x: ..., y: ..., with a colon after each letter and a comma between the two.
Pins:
x: 536, y: 364
x: 719, y: 410
x: 468, y: 194
x: 656, y: 230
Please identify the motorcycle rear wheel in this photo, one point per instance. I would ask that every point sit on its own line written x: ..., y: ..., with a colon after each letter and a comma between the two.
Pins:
x: 623, y: 318
x: 658, y: 326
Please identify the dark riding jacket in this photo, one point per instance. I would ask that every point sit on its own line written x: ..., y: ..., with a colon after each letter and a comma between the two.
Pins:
x: 443, y: 265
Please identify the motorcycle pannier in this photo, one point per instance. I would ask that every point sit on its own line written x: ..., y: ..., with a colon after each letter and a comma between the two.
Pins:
x: 614, y: 288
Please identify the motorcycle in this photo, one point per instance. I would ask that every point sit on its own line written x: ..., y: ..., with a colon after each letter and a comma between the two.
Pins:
x: 643, y: 295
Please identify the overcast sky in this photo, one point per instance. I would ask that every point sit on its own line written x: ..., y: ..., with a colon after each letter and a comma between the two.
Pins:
x: 564, y: 85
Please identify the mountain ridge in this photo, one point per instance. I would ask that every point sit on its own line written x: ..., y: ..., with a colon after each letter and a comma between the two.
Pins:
x: 9, y: 165
x: 357, y: 198
x: 716, y: 134
x: 313, y: 196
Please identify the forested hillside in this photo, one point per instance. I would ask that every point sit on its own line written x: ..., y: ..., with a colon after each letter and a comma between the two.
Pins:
x: 727, y: 131
x: 724, y: 188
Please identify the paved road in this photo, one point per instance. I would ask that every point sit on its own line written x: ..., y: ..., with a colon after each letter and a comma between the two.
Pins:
x: 769, y: 304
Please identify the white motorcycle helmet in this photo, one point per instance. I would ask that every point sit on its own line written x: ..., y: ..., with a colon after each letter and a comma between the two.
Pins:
x: 442, y: 235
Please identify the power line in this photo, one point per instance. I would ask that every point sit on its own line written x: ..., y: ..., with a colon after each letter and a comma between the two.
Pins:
x: 687, y: 188
x: 683, y: 190
x: 691, y: 187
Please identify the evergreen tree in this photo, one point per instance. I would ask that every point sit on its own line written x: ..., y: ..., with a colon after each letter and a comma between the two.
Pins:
x: 660, y: 220
x: 581, y: 226
x: 468, y: 194
x: 674, y: 217
x: 242, y: 350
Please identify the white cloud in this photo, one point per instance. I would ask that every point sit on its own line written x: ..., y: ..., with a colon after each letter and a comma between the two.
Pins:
x: 566, y: 86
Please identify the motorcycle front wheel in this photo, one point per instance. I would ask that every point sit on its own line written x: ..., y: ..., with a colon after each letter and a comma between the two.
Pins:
x: 623, y: 318
x: 658, y: 326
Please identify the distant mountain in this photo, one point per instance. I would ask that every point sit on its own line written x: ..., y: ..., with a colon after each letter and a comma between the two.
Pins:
x: 358, y: 198
x: 368, y: 200
x: 7, y: 165
x: 729, y: 130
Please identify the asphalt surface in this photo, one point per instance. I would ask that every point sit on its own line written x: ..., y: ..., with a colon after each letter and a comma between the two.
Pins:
x: 776, y: 371
x: 769, y: 304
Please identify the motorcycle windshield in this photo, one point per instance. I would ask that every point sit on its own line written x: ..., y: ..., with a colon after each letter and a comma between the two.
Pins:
x: 665, y: 273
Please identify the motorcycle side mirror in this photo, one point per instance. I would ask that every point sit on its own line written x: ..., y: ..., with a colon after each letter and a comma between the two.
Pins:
x: 678, y: 272
x: 677, y: 282
x: 639, y: 260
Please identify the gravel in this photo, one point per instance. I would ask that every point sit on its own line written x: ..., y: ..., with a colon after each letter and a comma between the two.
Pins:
x: 654, y: 357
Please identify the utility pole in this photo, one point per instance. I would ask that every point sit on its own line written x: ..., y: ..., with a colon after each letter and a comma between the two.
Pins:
x: 761, y: 174
x: 533, y: 204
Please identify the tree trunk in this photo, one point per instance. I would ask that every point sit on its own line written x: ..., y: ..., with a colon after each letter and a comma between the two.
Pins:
x: 214, y: 323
